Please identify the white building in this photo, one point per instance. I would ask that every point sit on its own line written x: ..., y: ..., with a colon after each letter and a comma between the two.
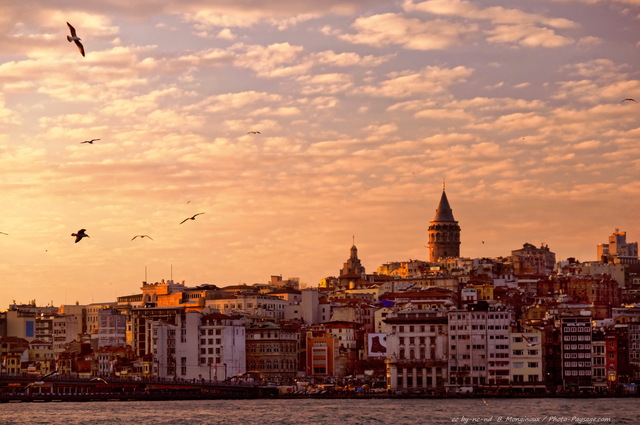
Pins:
x: 199, y: 347
x: 222, y: 346
x: 526, y: 371
x: 310, y: 310
x: 479, y: 352
x: 65, y: 330
x: 112, y: 328
x: 252, y: 303
x: 416, y: 351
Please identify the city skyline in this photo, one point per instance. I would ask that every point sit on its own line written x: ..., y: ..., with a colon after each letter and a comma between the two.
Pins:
x: 297, y: 127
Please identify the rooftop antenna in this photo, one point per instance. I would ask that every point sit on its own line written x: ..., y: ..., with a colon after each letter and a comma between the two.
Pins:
x: 443, y: 184
x: 171, y: 272
x: 145, y: 274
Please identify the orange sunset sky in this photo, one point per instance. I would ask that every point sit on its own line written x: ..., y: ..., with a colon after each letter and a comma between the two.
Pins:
x: 363, y: 107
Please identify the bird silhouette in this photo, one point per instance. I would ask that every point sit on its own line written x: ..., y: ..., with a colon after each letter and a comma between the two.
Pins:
x: 628, y: 99
x: 528, y: 341
x: 191, y: 218
x: 81, y: 234
x: 253, y: 132
x: 89, y: 141
x: 141, y: 236
x: 73, y: 37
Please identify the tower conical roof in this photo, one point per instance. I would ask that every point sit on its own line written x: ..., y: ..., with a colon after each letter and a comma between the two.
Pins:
x: 444, y: 212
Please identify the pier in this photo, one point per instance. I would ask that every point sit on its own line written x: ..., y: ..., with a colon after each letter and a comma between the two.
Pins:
x: 25, y: 389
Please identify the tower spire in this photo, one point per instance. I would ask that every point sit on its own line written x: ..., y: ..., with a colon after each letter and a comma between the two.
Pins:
x: 444, y: 231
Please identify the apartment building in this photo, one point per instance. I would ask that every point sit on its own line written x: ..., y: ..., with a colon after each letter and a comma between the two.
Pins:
x: 526, y: 373
x: 576, y: 352
x: 272, y: 351
x: 479, y: 349
x: 417, y: 349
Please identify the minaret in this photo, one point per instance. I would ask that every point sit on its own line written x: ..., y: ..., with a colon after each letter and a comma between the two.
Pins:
x: 444, y: 232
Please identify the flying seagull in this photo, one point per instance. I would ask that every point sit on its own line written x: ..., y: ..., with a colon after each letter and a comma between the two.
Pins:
x: 528, y: 341
x: 81, y: 234
x: 141, y: 236
x: 253, y: 132
x: 191, y: 218
x: 73, y: 37
x: 628, y: 99
x: 90, y: 141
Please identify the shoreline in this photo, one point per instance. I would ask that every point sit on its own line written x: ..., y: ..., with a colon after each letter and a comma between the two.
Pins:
x: 62, y: 398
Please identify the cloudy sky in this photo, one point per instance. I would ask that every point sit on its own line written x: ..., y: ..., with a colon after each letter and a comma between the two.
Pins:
x: 363, y: 108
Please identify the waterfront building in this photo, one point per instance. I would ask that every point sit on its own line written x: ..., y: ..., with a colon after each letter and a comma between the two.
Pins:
x: 526, y: 371
x: 272, y: 351
x: 479, y: 351
x: 576, y: 337
x: 444, y: 232
x: 222, y: 345
x: 141, y: 319
x: 633, y: 333
x: 598, y: 361
x: 617, y: 356
x: 322, y: 350
x: 12, y: 350
x: 41, y: 357
x: 417, y: 351
x: 113, y: 361
x: 198, y: 346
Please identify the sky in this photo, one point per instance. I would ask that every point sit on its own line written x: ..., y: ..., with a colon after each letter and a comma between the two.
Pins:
x: 363, y: 108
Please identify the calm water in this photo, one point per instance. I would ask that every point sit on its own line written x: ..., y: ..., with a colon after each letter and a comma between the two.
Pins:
x: 327, y: 412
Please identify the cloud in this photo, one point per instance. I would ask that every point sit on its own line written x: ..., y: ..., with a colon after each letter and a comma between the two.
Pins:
x: 429, y: 80
x: 325, y: 84
x: 509, y: 26
x: 394, y: 29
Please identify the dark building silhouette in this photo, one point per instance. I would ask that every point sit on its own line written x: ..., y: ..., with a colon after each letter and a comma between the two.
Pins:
x: 444, y: 232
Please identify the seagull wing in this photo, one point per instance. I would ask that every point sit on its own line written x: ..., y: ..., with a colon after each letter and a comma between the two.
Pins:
x: 134, y: 237
x: 185, y: 220
x: 72, y: 29
x: 80, y: 47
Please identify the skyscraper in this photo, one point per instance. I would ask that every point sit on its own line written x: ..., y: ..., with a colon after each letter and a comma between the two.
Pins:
x: 444, y: 232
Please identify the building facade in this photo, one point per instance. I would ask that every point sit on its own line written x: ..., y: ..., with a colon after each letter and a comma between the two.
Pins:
x: 417, y: 350
x: 576, y: 351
